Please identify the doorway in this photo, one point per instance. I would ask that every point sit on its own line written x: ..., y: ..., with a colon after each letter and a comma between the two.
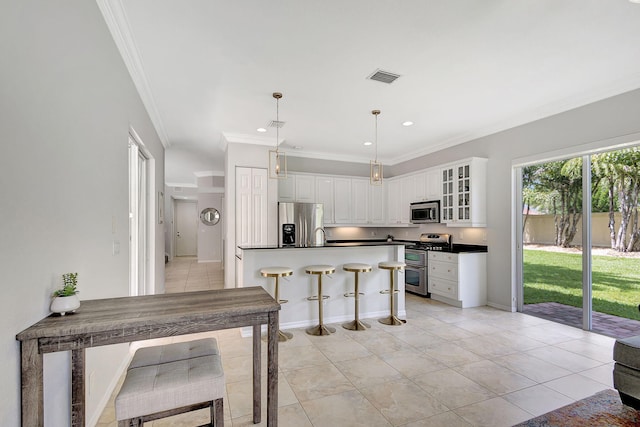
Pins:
x: 139, y: 212
x: 186, y: 227
x: 579, y: 241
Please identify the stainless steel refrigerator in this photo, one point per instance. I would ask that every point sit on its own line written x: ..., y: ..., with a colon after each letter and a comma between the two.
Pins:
x: 300, y: 224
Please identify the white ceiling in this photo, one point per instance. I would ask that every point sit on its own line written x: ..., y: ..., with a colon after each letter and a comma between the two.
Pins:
x: 469, y: 68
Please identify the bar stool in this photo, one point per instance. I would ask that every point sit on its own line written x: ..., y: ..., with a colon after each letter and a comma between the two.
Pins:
x: 356, y: 325
x: 277, y: 273
x: 392, y: 266
x: 319, y: 270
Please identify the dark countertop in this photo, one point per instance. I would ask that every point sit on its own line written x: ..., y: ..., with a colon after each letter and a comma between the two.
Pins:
x: 457, y: 248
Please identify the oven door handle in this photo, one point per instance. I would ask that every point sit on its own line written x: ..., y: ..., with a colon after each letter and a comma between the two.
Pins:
x: 415, y: 267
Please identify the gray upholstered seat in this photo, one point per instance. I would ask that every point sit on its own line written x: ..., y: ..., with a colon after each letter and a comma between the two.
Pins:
x: 154, y: 355
x: 165, y: 389
x: 626, y: 371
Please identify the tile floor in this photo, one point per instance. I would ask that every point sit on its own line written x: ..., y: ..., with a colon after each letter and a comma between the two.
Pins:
x: 445, y: 367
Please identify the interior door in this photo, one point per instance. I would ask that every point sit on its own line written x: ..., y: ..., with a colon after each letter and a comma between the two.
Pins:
x: 186, y: 228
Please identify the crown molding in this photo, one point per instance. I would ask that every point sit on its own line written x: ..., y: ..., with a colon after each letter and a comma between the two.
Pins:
x: 204, y: 174
x: 118, y: 24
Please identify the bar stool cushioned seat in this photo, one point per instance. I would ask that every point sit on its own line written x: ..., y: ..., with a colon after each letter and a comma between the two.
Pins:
x: 154, y: 355
x: 626, y: 371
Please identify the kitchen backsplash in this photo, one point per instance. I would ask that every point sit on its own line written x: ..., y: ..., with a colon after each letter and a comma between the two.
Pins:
x: 471, y: 236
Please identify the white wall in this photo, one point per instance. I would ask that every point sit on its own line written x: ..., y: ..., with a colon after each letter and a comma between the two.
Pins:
x: 574, y: 131
x: 210, y: 236
x: 66, y: 105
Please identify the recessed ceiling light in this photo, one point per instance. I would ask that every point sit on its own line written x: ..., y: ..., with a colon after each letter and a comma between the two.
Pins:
x: 368, y: 143
x: 261, y: 130
x: 407, y: 123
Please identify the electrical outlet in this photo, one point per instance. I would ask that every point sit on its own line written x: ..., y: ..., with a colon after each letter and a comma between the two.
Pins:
x: 406, y: 234
x: 484, y: 236
x: 373, y: 233
x: 116, y: 247
x: 461, y: 235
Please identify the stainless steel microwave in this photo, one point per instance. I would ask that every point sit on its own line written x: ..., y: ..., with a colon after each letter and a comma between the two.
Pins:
x: 425, y: 212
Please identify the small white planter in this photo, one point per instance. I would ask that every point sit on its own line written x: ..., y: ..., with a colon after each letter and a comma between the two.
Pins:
x: 63, y: 305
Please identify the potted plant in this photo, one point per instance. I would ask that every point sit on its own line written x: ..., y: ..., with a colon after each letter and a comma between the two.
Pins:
x: 66, y: 299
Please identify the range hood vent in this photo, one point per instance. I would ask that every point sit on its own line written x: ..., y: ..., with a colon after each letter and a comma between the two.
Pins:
x: 383, y: 76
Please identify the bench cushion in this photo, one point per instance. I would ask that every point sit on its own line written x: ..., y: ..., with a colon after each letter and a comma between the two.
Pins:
x: 156, y: 388
x: 147, y: 356
x: 627, y: 352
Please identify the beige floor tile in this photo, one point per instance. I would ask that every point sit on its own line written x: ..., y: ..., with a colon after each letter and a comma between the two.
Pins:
x: 300, y: 357
x: 602, y: 374
x: 453, y: 389
x: 317, y: 381
x: 240, y: 396
x: 478, y: 327
x: 563, y: 358
x: 495, y: 412
x: 451, y: 354
x: 368, y: 371
x: 403, y: 401
x: 345, y: 349
x: 538, y: 400
x: 576, y: 386
x: 451, y: 333
x: 345, y: 409
x: 601, y: 353
x: 486, y: 346
x: 531, y: 367
x: 412, y: 363
x: 494, y: 377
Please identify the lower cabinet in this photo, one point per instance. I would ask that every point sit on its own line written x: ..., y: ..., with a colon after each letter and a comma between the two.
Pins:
x: 458, y: 279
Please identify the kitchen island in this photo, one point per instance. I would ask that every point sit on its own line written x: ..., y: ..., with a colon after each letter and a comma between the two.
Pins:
x: 300, y: 312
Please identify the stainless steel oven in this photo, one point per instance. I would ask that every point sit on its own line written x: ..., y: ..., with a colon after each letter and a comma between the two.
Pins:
x: 415, y: 272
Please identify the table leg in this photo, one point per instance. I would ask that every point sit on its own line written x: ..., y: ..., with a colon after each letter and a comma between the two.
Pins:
x: 272, y: 369
x: 257, y: 366
x: 78, y: 387
x: 32, y: 387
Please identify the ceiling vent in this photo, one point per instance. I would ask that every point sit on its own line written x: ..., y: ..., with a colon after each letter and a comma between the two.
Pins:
x: 275, y: 124
x: 383, y: 76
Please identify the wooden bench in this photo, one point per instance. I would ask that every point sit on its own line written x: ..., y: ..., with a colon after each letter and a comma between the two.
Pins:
x: 163, y: 381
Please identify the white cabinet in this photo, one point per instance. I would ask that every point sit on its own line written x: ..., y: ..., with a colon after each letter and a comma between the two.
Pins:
x: 324, y: 195
x: 360, y: 200
x: 419, y: 188
x: 393, y: 200
x: 432, y: 184
x: 342, y: 200
x: 297, y: 188
x: 407, y: 195
x: 458, y: 279
x: 377, y: 205
x: 287, y: 189
x: 464, y: 194
x: 305, y: 188
x: 251, y: 206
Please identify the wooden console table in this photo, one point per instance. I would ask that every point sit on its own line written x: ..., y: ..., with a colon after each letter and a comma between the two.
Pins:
x: 119, y: 320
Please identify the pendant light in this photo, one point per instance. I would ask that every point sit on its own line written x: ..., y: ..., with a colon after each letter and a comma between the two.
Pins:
x: 376, y: 167
x: 277, y: 158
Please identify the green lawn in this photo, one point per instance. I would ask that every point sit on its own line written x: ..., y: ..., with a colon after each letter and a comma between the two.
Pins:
x: 557, y: 277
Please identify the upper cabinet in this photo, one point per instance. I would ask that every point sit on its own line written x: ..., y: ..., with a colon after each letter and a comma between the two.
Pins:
x: 324, y: 195
x: 464, y: 193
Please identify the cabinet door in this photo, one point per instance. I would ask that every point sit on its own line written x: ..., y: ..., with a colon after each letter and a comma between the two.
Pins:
x: 259, y: 206
x: 287, y: 189
x: 432, y: 185
x: 305, y: 188
x: 419, y: 188
x: 447, y: 207
x: 243, y: 206
x: 324, y: 195
x: 463, y: 191
x: 359, y: 200
x: 377, y: 203
x: 342, y: 200
x: 407, y: 193
x: 393, y: 201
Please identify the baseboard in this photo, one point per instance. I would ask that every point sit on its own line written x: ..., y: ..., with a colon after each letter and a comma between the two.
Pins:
x: 110, y: 389
x: 204, y: 261
x: 501, y: 307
